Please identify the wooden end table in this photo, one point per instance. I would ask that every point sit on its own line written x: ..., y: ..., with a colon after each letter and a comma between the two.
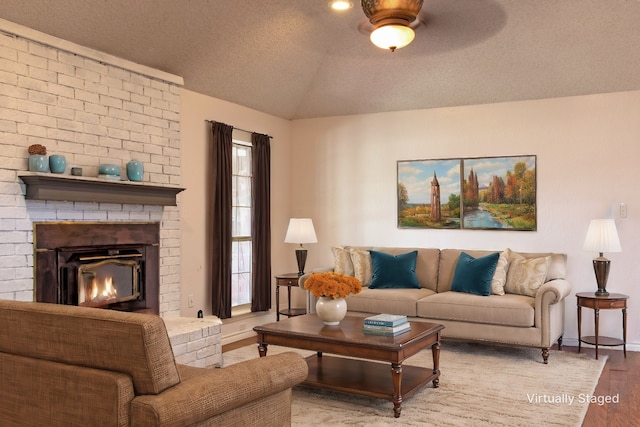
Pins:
x: 288, y: 280
x: 358, y: 376
x: 597, y: 303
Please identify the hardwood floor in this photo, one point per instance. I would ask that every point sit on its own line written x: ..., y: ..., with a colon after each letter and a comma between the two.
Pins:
x: 620, y: 377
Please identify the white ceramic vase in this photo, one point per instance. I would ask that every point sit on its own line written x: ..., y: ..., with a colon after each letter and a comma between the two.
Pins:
x: 331, y: 311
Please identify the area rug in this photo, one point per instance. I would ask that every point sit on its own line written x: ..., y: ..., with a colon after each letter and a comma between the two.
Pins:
x: 480, y: 385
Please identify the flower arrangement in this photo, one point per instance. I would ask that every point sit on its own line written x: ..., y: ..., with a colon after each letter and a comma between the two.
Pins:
x: 37, y: 149
x: 332, y: 285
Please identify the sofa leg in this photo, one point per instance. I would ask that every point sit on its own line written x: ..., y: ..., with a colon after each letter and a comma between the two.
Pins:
x: 560, y: 343
x: 545, y: 355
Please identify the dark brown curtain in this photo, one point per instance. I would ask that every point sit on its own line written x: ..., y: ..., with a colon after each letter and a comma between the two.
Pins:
x: 219, y: 218
x: 261, y: 226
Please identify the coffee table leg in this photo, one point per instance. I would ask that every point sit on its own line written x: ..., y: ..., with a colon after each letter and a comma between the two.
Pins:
x: 435, y: 349
x: 262, y: 349
x: 396, y: 375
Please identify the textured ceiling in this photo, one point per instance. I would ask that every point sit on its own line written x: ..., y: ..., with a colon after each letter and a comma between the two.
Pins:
x: 298, y: 59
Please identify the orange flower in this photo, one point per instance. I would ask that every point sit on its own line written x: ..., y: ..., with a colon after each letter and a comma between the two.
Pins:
x: 332, y: 285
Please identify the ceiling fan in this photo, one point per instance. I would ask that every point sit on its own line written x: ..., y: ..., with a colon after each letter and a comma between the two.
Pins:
x: 391, y: 23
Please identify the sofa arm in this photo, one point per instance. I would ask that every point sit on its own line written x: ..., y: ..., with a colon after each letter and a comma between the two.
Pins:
x: 552, y: 292
x: 549, y: 310
x: 203, y: 393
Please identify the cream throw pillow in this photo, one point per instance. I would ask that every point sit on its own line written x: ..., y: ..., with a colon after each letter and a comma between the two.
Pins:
x: 500, y: 276
x: 525, y: 276
x: 362, y: 266
x: 342, y: 263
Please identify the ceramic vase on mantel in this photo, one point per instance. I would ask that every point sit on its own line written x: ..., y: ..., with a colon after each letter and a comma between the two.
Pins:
x: 38, y: 163
x: 331, y: 310
x: 57, y: 163
x: 135, y: 170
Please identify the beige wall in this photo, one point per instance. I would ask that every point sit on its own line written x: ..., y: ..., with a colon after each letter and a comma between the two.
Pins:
x: 344, y: 176
x: 196, y: 109
x: 341, y: 171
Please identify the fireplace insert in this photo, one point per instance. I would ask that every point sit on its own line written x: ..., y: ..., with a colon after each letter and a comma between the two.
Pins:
x: 101, y: 278
x: 106, y: 265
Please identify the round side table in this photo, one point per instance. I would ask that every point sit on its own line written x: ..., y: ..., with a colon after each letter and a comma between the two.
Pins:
x: 597, y: 303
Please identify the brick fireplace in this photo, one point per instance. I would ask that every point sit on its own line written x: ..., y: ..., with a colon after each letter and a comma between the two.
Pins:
x: 93, y: 108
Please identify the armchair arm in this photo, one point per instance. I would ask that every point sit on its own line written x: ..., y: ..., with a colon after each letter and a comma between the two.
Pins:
x: 203, y: 393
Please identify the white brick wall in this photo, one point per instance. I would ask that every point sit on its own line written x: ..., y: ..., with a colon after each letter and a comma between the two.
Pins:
x: 196, y: 342
x: 92, y: 113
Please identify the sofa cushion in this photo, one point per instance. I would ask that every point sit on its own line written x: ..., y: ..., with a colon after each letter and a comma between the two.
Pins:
x: 526, y: 275
x: 391, y: 301
x: 427, y: 262
x: 391, y: 271
x: 362, y: 267
x: 449, y: 258
x: 448, y: 263
x: 557, y: 266
x: 500, y: 276
x: 342, y: 263
x: 473, y: 275
x: 508, y: 309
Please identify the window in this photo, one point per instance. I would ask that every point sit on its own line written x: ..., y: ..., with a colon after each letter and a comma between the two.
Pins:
x: 241, y: 226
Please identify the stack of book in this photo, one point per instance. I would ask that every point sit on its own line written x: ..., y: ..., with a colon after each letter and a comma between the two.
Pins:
x: 388, y: 325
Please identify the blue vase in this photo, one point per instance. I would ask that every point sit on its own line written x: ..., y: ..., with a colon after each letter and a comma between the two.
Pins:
x: 135, y: 170
x: 57, y: 163
x: 38, y: 163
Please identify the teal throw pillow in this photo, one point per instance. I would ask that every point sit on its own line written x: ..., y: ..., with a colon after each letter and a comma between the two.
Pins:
x: 473, y: 275
x: 394, y: 271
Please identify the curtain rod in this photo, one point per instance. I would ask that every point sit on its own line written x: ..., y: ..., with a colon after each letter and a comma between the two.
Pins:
x: 241, y: 130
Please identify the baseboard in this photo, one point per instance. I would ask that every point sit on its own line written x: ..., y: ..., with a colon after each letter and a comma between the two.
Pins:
x: 238, y: 336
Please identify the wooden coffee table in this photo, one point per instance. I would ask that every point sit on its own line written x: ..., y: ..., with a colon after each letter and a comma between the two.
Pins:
x: 363, y: 377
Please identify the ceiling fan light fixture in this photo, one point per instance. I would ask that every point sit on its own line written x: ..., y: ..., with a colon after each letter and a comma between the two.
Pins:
x: 392, y: 36
x: 391, y: 20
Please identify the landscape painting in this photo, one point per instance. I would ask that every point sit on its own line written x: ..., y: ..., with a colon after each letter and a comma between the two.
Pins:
x: 429, y: 193
x: 489, y: 193
x: 499, y: 193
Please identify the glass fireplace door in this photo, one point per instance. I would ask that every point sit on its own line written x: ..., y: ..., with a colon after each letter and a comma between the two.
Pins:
x: 107, y: 282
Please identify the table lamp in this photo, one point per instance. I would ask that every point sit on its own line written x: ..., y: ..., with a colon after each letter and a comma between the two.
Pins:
x: 602, y: 236
x: 301, y: 231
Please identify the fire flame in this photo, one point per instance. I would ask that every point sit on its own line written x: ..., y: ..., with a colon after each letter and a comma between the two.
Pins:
x: 105, y: 292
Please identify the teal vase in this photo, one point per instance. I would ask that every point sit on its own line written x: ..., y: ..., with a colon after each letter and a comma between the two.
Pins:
x: 38, y: 163
x: 57, y: 163
x: 135, y: 170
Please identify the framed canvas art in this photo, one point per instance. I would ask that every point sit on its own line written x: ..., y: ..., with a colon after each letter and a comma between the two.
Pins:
x: 429, y: 193
x: 487, y: 193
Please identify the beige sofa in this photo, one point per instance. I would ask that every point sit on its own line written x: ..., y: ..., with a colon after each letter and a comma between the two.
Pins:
x: 513, y: 319
x: 71, y: 366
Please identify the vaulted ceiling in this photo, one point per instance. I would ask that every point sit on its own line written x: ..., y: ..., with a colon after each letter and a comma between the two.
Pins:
x: 298, y: 59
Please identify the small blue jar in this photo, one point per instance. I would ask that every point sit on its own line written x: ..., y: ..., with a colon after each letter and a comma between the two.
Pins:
x: 135, y: 170
x: 57, y: 163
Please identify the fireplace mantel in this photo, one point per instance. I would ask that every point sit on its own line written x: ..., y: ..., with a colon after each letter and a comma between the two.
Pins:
x: 44, y: 186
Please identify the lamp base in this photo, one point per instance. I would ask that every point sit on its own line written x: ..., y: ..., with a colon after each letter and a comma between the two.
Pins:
x: 301, y: 257
x: 601, y: 267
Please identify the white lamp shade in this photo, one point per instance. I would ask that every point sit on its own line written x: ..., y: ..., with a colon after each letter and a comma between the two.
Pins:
x: 301, y: 231
x: 602, y: 236
x: 392, y: 36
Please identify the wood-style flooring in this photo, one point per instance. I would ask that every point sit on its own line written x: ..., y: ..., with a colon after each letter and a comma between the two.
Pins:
x: 620, y: 377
